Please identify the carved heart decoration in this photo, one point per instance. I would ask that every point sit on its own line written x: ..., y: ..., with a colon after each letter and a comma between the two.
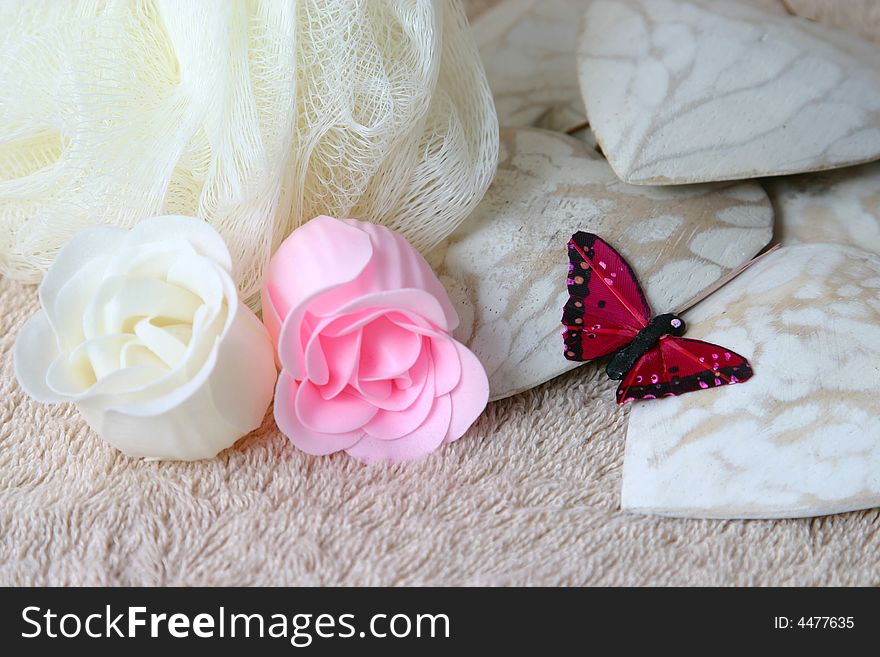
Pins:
x: 683, y: 91
x: 802, y: 436
x: 528, y: 50
x: 840, y: 207
x: 505, y: 267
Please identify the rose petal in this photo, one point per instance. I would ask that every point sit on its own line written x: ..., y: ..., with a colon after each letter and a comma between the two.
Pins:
x: 194, y: 273
x: 243, y: 346
x: 67, y: 313
x: 100, y: 356
x: 151, y: 260
x: 421, y: 442
x: 319, y: 329
x: 397, y: 265
x: 91, y: 243
x: 342, y: 358
x: 187, y: 377
x: 35, y: 349
x: 417, y: 324
x: 404, y: 396
x: 316, y: 369
x: 197, y: 424
x: 391, y: 425
x: 318, y: 256
x: 198, y: 233
x: 329, y: 267
x: 447, y: 364
x: 121, y: 299
x: 374, y: 391
x: 210, y: 327
x: 404, y: 381
x: 470, y: 396
x: 304, y: 438
x: 323, y: 254
x: 164, y: 344
x: 418, y: 302
x: 387, y: 350
x: 73, y: 379
x: 344, y: 324
x: 345, y: 412
x: 271, y: 319
x: 134, y: 354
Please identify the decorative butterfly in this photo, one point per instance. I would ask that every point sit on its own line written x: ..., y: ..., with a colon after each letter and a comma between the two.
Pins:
x: 607, y: 313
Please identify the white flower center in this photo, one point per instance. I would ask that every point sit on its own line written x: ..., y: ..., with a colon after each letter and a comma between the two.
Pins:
x: 146, y: 318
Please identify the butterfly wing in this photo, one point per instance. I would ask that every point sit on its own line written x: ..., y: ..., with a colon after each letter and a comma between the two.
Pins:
x: 677, y: 365
x: 606, y: 307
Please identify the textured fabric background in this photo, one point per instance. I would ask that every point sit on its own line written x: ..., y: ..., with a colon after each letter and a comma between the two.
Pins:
x: 529, y: 496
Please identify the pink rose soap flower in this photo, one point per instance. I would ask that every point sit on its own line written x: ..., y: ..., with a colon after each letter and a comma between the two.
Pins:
x: 362, y: 330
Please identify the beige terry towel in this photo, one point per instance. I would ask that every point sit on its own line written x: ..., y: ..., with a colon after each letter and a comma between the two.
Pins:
x: 529, y: 496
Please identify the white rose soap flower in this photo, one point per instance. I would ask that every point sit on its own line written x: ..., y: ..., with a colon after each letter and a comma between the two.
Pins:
x: 143, y: 330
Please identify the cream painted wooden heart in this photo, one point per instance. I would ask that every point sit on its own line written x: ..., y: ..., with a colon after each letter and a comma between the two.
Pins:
x: 841, y: 207
x: 505, y: 267
x: 860, y: 17
x: 528, y: 50
x: 802, y: 436
x: 682, y: 91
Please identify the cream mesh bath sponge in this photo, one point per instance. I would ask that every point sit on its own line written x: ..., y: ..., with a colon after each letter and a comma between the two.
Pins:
x: 255, y: 116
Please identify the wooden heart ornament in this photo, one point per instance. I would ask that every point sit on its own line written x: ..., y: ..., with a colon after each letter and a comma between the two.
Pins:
x: 802, y: 438
x: 688, y: 91
x: 528, y: 51
x: 840, y: 207
x: 503, y: 266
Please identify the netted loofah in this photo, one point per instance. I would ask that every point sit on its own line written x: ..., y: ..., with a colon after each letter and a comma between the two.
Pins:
x: 253, y: 116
